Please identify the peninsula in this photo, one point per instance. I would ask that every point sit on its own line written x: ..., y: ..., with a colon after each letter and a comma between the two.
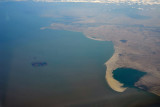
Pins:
x: 136, y: 41
x: 141, y: 52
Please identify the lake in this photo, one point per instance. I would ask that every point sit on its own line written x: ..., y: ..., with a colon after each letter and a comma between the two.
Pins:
x: 55, y: 67
x: 127, y: 76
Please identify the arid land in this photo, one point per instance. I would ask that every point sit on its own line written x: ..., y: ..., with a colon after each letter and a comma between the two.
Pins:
x: 141, y: 49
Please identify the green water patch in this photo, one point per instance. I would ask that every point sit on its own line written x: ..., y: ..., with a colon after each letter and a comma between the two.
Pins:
x: 127, y: 76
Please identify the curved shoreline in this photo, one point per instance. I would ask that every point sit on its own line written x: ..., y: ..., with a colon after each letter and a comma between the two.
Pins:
x: 134, y: 54
x: 144, y: 83
x: 111, y: 66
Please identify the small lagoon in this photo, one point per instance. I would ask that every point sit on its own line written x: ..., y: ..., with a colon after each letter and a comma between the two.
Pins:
x: 127, y: 76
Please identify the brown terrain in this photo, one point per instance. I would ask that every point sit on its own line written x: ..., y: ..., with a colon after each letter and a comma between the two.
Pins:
x: 136, y: 44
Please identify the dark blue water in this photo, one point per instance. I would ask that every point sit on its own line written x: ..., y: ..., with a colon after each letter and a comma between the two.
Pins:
x: 127, y: 76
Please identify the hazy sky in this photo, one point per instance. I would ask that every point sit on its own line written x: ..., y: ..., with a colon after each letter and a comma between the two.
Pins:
x: 150, y: 2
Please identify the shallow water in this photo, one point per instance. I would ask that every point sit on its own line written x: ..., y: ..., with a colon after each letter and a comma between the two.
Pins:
x: 75, y: 72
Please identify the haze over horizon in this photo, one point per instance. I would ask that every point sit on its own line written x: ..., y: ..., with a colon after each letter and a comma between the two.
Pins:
x: 143, y: 2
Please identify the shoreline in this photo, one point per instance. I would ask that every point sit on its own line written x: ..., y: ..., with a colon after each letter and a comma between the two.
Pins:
x: 126, y: 55
x: 115, y: 62
x: 110, y: 67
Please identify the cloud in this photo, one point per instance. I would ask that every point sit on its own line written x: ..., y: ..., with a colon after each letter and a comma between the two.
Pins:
x: 12, y: 0
x: 144, y: 2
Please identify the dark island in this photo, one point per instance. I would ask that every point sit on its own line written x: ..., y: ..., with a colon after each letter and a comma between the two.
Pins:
x: 37, y: 64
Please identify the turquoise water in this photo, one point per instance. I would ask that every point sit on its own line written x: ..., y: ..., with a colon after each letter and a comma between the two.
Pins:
x: 127, y: 76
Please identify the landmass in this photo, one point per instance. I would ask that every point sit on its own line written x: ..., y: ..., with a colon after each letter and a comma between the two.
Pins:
x: 136, y: 43
x: 140, y: 51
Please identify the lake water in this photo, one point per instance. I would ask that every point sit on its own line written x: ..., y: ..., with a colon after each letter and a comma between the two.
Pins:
x: 75, y: 69
x: 74, y: 72
x: 127, y: 76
